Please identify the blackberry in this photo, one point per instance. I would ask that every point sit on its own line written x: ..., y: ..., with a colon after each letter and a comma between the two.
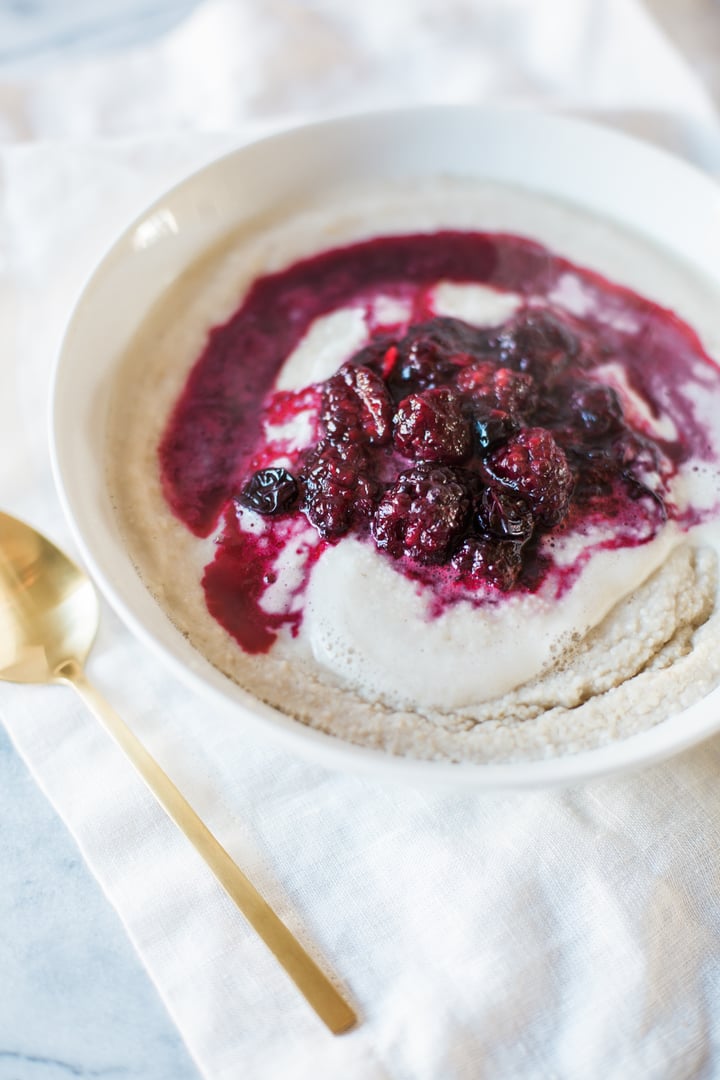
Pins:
x: 429, y: 355
x: 515, y: 391
x: 338, y: 489
x: 488, y: 562
x: 485, y: 384
x: 374, y: 353
x: 596, y: 411
x: 539, y: 343
x: 532, y: 465
x: 422, y: 515
x: 431, y: 426
x: 356, y: 407
x: 492, y: 427
x: 477, y: 380
x: 504, y: 515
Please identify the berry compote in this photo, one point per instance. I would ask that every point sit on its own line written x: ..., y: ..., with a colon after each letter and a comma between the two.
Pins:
x: 462, y: 453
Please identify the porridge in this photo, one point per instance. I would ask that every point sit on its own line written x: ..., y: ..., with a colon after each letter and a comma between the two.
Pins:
x: 434, y: 472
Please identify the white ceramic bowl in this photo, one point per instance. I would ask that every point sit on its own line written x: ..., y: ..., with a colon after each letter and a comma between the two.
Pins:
x: 626, y: 181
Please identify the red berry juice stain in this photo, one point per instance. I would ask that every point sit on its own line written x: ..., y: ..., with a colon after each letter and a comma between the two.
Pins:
x: 234, y: 584
x: 213, y: 442
x: 237, y: 580
x: 216, y: 421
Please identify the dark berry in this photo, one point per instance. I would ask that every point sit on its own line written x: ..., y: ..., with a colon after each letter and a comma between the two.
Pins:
x: 422, y: 515
x: 597, y: 471
x: 338, y: 491
x: 431, y: 426
x: 596, y: 410
x: 356, y: 407
x: 270, y: 491
x: 485, y: 385
x: 515, y: 391
x: 533, y: 466
x: 477, y: 380
x: 493, y: 427
x: 373, y: 354
x: 418, y: 366
x: 488, y: 562
x: 430, y: 354
x: 504, y: 515
x: 539, y: 343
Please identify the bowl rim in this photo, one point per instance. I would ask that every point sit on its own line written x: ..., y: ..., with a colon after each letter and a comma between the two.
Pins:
x: 645, y: 748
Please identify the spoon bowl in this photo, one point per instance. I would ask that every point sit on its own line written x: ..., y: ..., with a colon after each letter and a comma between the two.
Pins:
x: 48, y: 606
x: 48, y: 620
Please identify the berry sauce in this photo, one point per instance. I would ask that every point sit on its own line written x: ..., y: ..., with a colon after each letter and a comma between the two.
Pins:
x: 463, y: 453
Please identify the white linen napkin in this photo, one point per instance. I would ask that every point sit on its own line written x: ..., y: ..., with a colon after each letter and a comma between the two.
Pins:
x: 571, y: 934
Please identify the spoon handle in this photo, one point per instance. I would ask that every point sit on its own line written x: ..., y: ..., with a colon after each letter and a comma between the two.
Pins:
x: 317, y: 989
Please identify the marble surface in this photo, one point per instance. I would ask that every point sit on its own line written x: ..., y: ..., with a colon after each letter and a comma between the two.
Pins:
x: 74, y: 998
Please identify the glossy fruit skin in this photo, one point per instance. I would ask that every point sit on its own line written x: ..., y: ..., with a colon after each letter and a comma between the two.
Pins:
x: 431, y: 426
x: 491, y: 427
x: 480, y: 561
x: 356, y: 407
x: 270, y: 491
x: 487, y: 386
x: 539, y: 343
x: 422, y: 515
x: 430, y: 354
x: 504, y: 515
x: 338, y: 490
x: 533, y: 466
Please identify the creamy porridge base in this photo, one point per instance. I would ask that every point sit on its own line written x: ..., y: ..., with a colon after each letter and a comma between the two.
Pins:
x: 654, y: 654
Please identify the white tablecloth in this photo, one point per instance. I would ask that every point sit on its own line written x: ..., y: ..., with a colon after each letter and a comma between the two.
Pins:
x: 571, y: 934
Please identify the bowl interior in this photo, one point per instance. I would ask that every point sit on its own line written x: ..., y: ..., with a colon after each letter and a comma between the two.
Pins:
x: 628, y: 183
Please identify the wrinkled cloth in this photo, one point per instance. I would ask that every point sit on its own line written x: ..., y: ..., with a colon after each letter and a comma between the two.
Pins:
x: 557, y: 934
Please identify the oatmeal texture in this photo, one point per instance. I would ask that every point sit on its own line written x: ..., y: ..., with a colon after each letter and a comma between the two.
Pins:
x: 635, y: 638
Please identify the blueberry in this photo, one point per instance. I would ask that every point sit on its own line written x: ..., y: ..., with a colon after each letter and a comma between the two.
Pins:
x: 270, y: 491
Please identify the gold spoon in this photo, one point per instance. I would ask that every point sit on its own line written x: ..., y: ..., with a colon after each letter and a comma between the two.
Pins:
x: 48, y: 620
